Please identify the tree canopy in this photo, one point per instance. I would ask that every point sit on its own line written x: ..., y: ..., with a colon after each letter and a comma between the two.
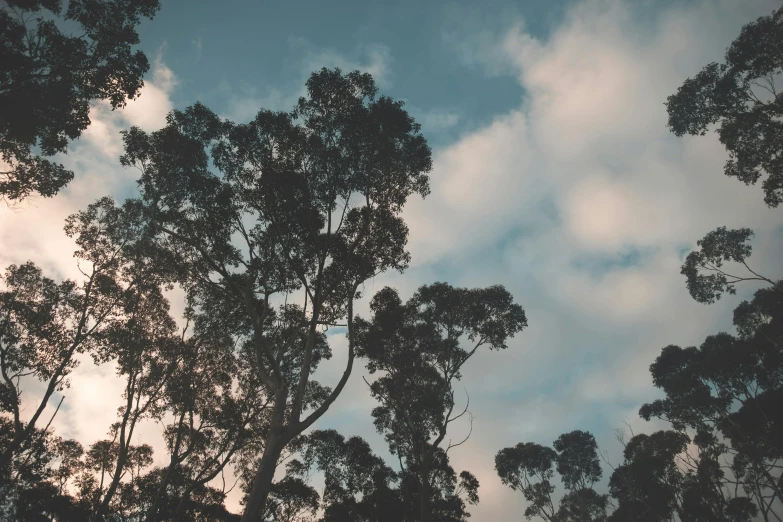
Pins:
x: 313, y: 197
x: 527, y: 467
x: 268, y: 233
x: 420, y: 349
x: 741, y: 96
x: 53, y: 63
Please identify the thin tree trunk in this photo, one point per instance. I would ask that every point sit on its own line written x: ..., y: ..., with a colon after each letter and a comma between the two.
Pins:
x: 262, y: 483
x: 122, y: 453
x: 175, y: 460
x: 424, y: 488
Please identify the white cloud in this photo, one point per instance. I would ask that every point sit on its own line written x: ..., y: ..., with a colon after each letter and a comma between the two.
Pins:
x: 437, y: 120
x: 34, y: 231
x: 584, y: 168
x: 149, y: 110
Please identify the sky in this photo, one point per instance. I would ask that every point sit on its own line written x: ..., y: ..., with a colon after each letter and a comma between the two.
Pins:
x: 554, y: 175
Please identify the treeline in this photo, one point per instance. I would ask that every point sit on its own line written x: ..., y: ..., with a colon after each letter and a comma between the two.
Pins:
x: 270, y: 229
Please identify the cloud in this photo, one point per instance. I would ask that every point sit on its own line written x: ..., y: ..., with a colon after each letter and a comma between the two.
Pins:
x: 34, y: 231
x: 551, y: 197
x: 149, y: 110
x: 579, y: 200
x: 437, y: 120
x: 197, y: 46
x: 244, y: 101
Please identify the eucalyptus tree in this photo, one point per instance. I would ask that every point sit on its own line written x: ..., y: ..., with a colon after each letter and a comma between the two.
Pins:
x: 145, y: 350
x: 45, y: 325
x: 39, y: 481
x: 729, y: 391
x: 707, y: 276
x: 420, y: 348
x: 292, y: 500
x: 212, y: 404
x: 647, y: 485
x: 205, y: 503
x: 100, y: 471
x: 54, y: 63
x: 528, y: 468
x: 358, y: 485
x: 302, y: 205
x: 741, y: 96
x: 219, y: 405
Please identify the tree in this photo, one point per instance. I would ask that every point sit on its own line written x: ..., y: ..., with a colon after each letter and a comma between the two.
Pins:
x: 214, y: 430
x: 101, y: 473
x: 49, y: 77
x: 44, y: 325
x: 741, y: 96
x: 647, y: 485
x: 218, y: 408
x: 527, y: 467
x: 37, y: 483
x: 303, y: 205
x: 729, y: 392
x: 668, y: 476
x: 291, y: 500
x: 706, y: 276
x: 147, y: 354
x: 420, y: 348
x: 358, y: 485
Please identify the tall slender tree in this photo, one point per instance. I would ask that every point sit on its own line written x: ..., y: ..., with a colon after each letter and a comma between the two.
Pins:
x: 420, y: 348
x: 302, y: 205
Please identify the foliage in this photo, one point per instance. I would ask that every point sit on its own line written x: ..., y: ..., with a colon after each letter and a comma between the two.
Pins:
x: 49, y: 76
x: 728, y: 391
x: 358, y: 485
x: 528, y: 467
x: 314, y: 197
x: 741, y: 96
x: 420, y: 348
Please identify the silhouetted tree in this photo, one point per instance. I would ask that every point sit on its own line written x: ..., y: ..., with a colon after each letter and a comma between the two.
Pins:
x: 291, y: 500
x: 741, y: 96
x: 706, y: 276
x: 100, y: 473
x: 420, y: 348
x: 217, y: 407
x: 528, y: 467
x: 312, y: 196
x: 44, y: 325
x: 729, y: 392
x: 49, y: 76
x: 647, y: 485
x: 358, y: 485
x: 147, y: 354
x: 666, y: 476
x: 204, y: 503
x: 38, y: 482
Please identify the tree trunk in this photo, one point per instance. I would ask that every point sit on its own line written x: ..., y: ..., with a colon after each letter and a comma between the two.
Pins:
x: 262, y: 483
x: 273, y: 447
x: 424, y: 488
x: 122, y: 457
x: 152, y: 515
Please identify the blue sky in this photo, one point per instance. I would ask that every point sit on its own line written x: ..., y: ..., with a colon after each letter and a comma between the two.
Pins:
x: 554, y: 174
